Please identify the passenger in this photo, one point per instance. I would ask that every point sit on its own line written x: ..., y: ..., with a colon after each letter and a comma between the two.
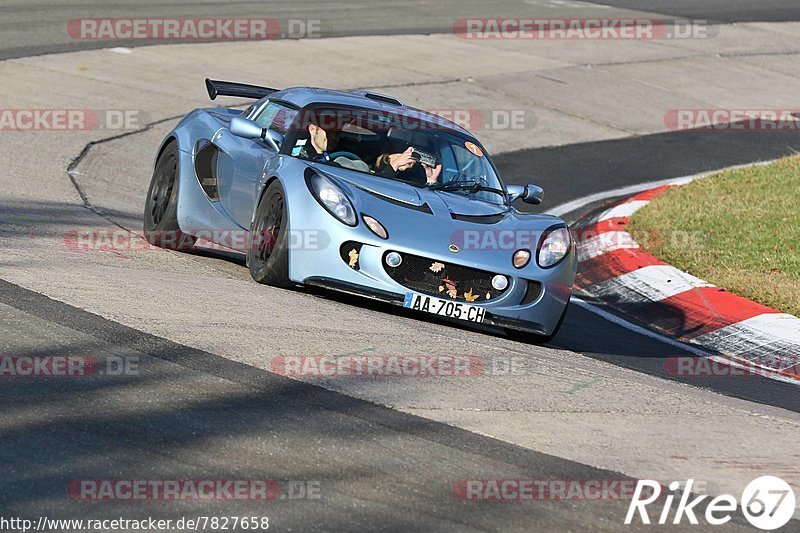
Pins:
x: 390, y: 165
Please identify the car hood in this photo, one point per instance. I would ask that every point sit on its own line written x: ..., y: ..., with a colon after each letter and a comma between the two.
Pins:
x: 457, y: 204
x: 386, y: 188
x: 462, y: 204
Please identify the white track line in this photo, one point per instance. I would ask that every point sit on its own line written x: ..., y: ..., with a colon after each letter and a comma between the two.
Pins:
x: 624, y: 210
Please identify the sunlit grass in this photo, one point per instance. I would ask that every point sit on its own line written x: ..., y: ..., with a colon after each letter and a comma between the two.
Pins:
x: 739, y: 229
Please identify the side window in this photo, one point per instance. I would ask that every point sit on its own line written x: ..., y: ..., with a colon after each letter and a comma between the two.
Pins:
x: 283, y: 119
x: 264, y: 118
x: 276, y: 117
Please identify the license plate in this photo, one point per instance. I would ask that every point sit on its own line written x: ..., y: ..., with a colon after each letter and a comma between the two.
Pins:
x: 448, y: 308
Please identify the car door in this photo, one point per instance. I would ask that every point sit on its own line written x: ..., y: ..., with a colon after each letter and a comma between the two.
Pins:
x: 241, y: 163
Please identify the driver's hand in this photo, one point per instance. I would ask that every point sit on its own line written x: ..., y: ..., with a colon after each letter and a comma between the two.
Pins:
x: 432, y: 174
x: 402, y: 161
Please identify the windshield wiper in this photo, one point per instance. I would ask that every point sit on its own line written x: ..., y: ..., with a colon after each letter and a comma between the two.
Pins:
x: 438, y: 186
x: 464, y: 185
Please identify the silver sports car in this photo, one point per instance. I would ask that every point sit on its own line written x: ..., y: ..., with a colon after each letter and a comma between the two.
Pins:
x: 357, y: 192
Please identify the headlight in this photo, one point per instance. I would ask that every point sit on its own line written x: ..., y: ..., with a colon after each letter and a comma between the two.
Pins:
x: 553, y: 247
x: 332, y: 198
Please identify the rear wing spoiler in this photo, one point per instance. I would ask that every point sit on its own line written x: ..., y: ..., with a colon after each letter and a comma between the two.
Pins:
x: 227, y: 88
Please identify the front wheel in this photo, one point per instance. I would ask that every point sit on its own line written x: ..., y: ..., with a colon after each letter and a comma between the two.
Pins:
x: 161, y: 207
x: 268, y: 247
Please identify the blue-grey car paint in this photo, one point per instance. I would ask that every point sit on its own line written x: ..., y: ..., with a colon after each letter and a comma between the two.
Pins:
x: 249, y: 165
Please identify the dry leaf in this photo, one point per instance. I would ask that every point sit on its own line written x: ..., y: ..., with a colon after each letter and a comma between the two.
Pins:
x: 451, y: 290
x: 437, y: 267
x: 468, y: 296
x: 353, y: 259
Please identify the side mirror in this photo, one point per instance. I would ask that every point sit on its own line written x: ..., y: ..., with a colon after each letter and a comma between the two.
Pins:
x: 530, y: 194
x: 533, y: 195
x: 247, y: 129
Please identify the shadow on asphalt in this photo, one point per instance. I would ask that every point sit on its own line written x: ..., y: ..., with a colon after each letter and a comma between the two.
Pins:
x: 594, y: 336
x: 191, y: 415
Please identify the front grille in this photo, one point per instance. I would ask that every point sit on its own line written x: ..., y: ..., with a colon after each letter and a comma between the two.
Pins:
x: 445, y: 280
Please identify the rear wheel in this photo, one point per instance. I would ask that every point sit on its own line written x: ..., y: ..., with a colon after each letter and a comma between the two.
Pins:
x: 161, y: 207
x: 268, y: 246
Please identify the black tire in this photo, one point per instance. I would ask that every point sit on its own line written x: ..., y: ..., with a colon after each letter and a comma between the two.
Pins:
x: 524, y: 336
x: 268, y: 246
x: 161, y: 207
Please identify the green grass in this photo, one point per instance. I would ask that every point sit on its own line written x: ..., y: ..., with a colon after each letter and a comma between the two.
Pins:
x: 739, y: 229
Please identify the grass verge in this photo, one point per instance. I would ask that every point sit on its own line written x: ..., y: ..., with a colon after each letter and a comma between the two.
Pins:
x: 739, y: 229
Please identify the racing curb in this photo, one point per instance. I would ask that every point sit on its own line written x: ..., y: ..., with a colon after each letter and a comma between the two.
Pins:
x: 615, y: 272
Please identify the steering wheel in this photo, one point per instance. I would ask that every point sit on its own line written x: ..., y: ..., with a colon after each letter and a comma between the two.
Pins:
x: 343, y: 153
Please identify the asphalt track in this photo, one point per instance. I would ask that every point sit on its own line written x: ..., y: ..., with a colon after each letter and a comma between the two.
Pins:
x: 378, y: 469
x: 32, y: 28
x: 259, y: 402
x: 37, y: 27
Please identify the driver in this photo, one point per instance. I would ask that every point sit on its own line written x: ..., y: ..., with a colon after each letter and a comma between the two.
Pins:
x: 323, y: 136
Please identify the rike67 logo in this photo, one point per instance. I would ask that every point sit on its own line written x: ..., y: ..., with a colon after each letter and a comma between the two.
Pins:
x: 767, y: 502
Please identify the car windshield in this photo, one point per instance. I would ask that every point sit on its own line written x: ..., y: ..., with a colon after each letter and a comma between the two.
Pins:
x: 407, y: 148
